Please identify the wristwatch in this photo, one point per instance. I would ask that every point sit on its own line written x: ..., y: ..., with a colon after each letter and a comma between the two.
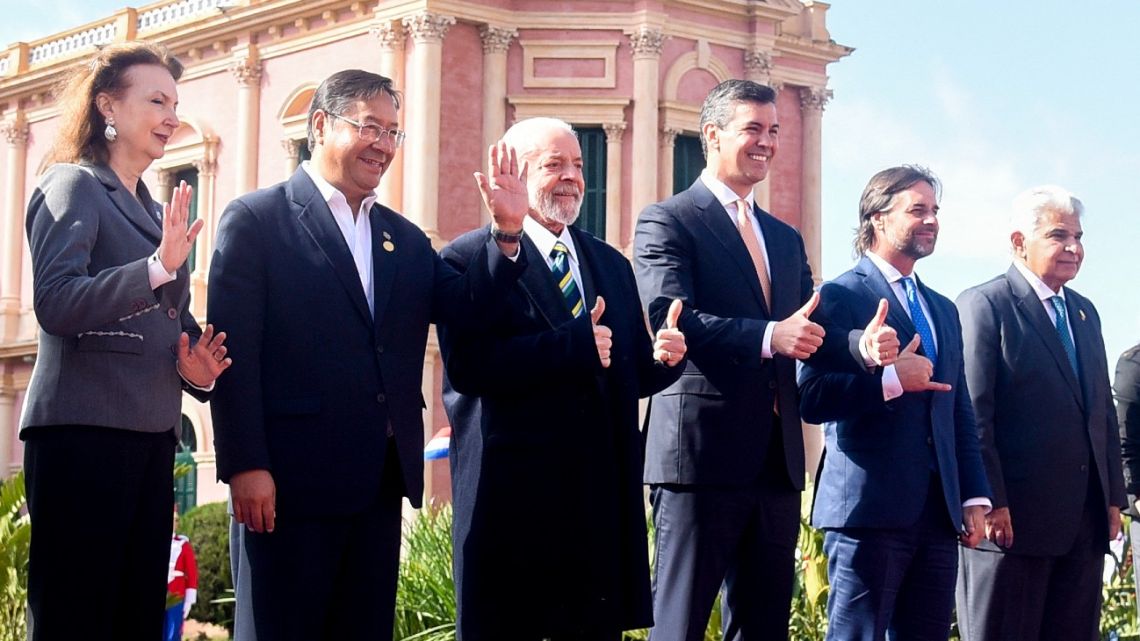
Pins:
x: 506, y: 237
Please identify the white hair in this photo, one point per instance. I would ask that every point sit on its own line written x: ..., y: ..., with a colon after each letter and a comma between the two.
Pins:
x: 522, y: 134
x: 1031, y: 206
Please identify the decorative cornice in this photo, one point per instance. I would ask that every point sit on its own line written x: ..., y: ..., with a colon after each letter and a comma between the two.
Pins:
x: 814, y: 98
x: 758, y: 62
x: 497, y: 39
x: 669, y: 136
x: 15, y: 131
x: 613, y: 131
x: 247, y: 71
x: 206, y: 167
x: 428, y: 27
x: 391, y: 35
x: 647, y: 42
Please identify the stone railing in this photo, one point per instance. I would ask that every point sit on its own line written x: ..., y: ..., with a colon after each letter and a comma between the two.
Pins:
x: 155, y: 17
x: 72, y: 43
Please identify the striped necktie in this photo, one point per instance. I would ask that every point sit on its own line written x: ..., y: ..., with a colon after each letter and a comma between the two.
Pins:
x: 565, y: 278
x: 921, y: 324
x: 1061, y: 324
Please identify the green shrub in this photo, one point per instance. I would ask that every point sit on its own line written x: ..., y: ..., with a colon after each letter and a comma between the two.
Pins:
x: 15, y: 533
x: 207, y: 527
x: 425, y: 594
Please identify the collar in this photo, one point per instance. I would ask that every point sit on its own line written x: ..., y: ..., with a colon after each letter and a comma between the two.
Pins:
x: 332, y: 194
x: 1039, y: 287
x: 544, y: 240
x: 724, y: 195
x: 889, y: 271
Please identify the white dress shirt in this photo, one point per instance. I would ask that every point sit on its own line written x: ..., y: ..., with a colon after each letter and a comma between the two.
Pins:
x: 356, y: 230
x: 727, y: 198
x: 1044, y: 293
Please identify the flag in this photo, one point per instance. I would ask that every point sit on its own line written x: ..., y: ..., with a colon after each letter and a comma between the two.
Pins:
x: 437, y: 446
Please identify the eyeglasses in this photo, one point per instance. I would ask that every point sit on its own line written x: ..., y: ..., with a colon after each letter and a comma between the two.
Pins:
x: 372, y: 134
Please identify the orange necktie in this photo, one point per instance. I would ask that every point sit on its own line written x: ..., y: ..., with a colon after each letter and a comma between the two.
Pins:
x: 744, y: 226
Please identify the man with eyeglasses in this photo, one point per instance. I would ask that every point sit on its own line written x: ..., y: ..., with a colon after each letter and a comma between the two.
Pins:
x: 329, y: 295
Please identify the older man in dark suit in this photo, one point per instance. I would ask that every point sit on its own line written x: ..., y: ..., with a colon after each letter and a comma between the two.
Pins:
x: 725, y: 454
x: 319, y: 433
x: 1038, y: 377
x: 903, y: 474
x: 550, y: 537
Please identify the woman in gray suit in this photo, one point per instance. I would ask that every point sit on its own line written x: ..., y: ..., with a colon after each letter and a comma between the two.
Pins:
x: 117, y: 346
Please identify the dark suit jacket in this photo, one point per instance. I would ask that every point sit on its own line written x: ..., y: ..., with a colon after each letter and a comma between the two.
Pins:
x: 1045, y: 432
x: 1127, y: 386
x: 107, y: 340
x: 550, y: 519
x: 713, y: 425
x: 315, y: 379
x: 880, y: 454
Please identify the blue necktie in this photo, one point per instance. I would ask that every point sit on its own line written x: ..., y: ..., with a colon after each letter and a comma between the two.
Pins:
x: 1062, y: 326
x: 921, y: 325
x: 565, y: 278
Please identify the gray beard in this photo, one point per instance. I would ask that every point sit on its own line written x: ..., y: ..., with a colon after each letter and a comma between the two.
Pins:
x: 548, y: 208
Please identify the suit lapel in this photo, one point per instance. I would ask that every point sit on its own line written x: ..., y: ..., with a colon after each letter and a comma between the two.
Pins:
x: 586, y: 258
x: 779, y: 255
x: 385, y: 263
x: 147, y: 222
x: 897, y: 317
x: 1085, y: 340
x: 946, y: 368
x: 316, y: 218
x: 714, y: 216
x: 1031, y: 309
x: 537, y: 282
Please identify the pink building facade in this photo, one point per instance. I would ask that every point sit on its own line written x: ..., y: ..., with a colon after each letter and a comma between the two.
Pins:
x: 630, y: 75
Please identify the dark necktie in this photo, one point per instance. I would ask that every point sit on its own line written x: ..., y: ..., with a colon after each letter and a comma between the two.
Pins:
x: 1062, y: 326
x: 565, y: 279
x: 921, y: 325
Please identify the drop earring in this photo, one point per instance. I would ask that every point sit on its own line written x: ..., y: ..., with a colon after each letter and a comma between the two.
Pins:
x: 110, y: 133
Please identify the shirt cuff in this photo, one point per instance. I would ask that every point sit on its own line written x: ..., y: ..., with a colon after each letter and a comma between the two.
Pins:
x: 979, y: 500
x: 208, y: 388
x: 892, y: 387
x: 766, y: 343
x: 157, y: 273
x: 868, y: 362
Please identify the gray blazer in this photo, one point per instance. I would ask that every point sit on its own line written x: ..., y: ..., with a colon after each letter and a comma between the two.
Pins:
x: 108, y: 342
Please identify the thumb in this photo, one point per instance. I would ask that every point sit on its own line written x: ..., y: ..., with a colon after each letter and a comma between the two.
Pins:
x: 880, y: 315
x: 674, y: 314
x: 912, y: 346
x: 183, y: 346
x: 599, y: 309
x: 810, y: 306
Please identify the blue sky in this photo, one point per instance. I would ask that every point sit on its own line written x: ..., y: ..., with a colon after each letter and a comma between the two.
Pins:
x: 994, y: 97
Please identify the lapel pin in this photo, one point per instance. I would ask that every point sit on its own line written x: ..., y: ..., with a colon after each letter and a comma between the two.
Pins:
x: 388, y: 246
x: 387, y: 236
x: 1082, y: 313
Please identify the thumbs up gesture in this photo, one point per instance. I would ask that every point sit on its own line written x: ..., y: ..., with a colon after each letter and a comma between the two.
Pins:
x: 915, y: 371
x: 602, y: 334
x: 880, y: 340
x: 669, y: 346
x: 796, y: 336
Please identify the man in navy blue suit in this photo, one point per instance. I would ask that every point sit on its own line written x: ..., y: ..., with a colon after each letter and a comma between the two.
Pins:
x: 902, y: 478
x: 329, y: 295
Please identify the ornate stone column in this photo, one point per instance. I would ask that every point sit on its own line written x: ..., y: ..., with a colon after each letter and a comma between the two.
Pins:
x: 204, y: 245
x: 496, y: 42
x: 422, y: 202
x: 165, y: 181
x: 292, y: 156
x: 246, y: 68
x: 812, y: 102
x: 646, y: 43
x: 668, y: 139
x: 15, y: 130
x: 613, y: 182
x: 392, y: 37
x: 758, y: 68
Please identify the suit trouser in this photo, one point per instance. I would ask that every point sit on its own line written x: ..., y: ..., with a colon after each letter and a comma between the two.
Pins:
x: 1014, y: 596
x: 893, y: 582
x: 329, y: 577
x: 239, y: 573
x: 743, y: 537
x: 101, y: 502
